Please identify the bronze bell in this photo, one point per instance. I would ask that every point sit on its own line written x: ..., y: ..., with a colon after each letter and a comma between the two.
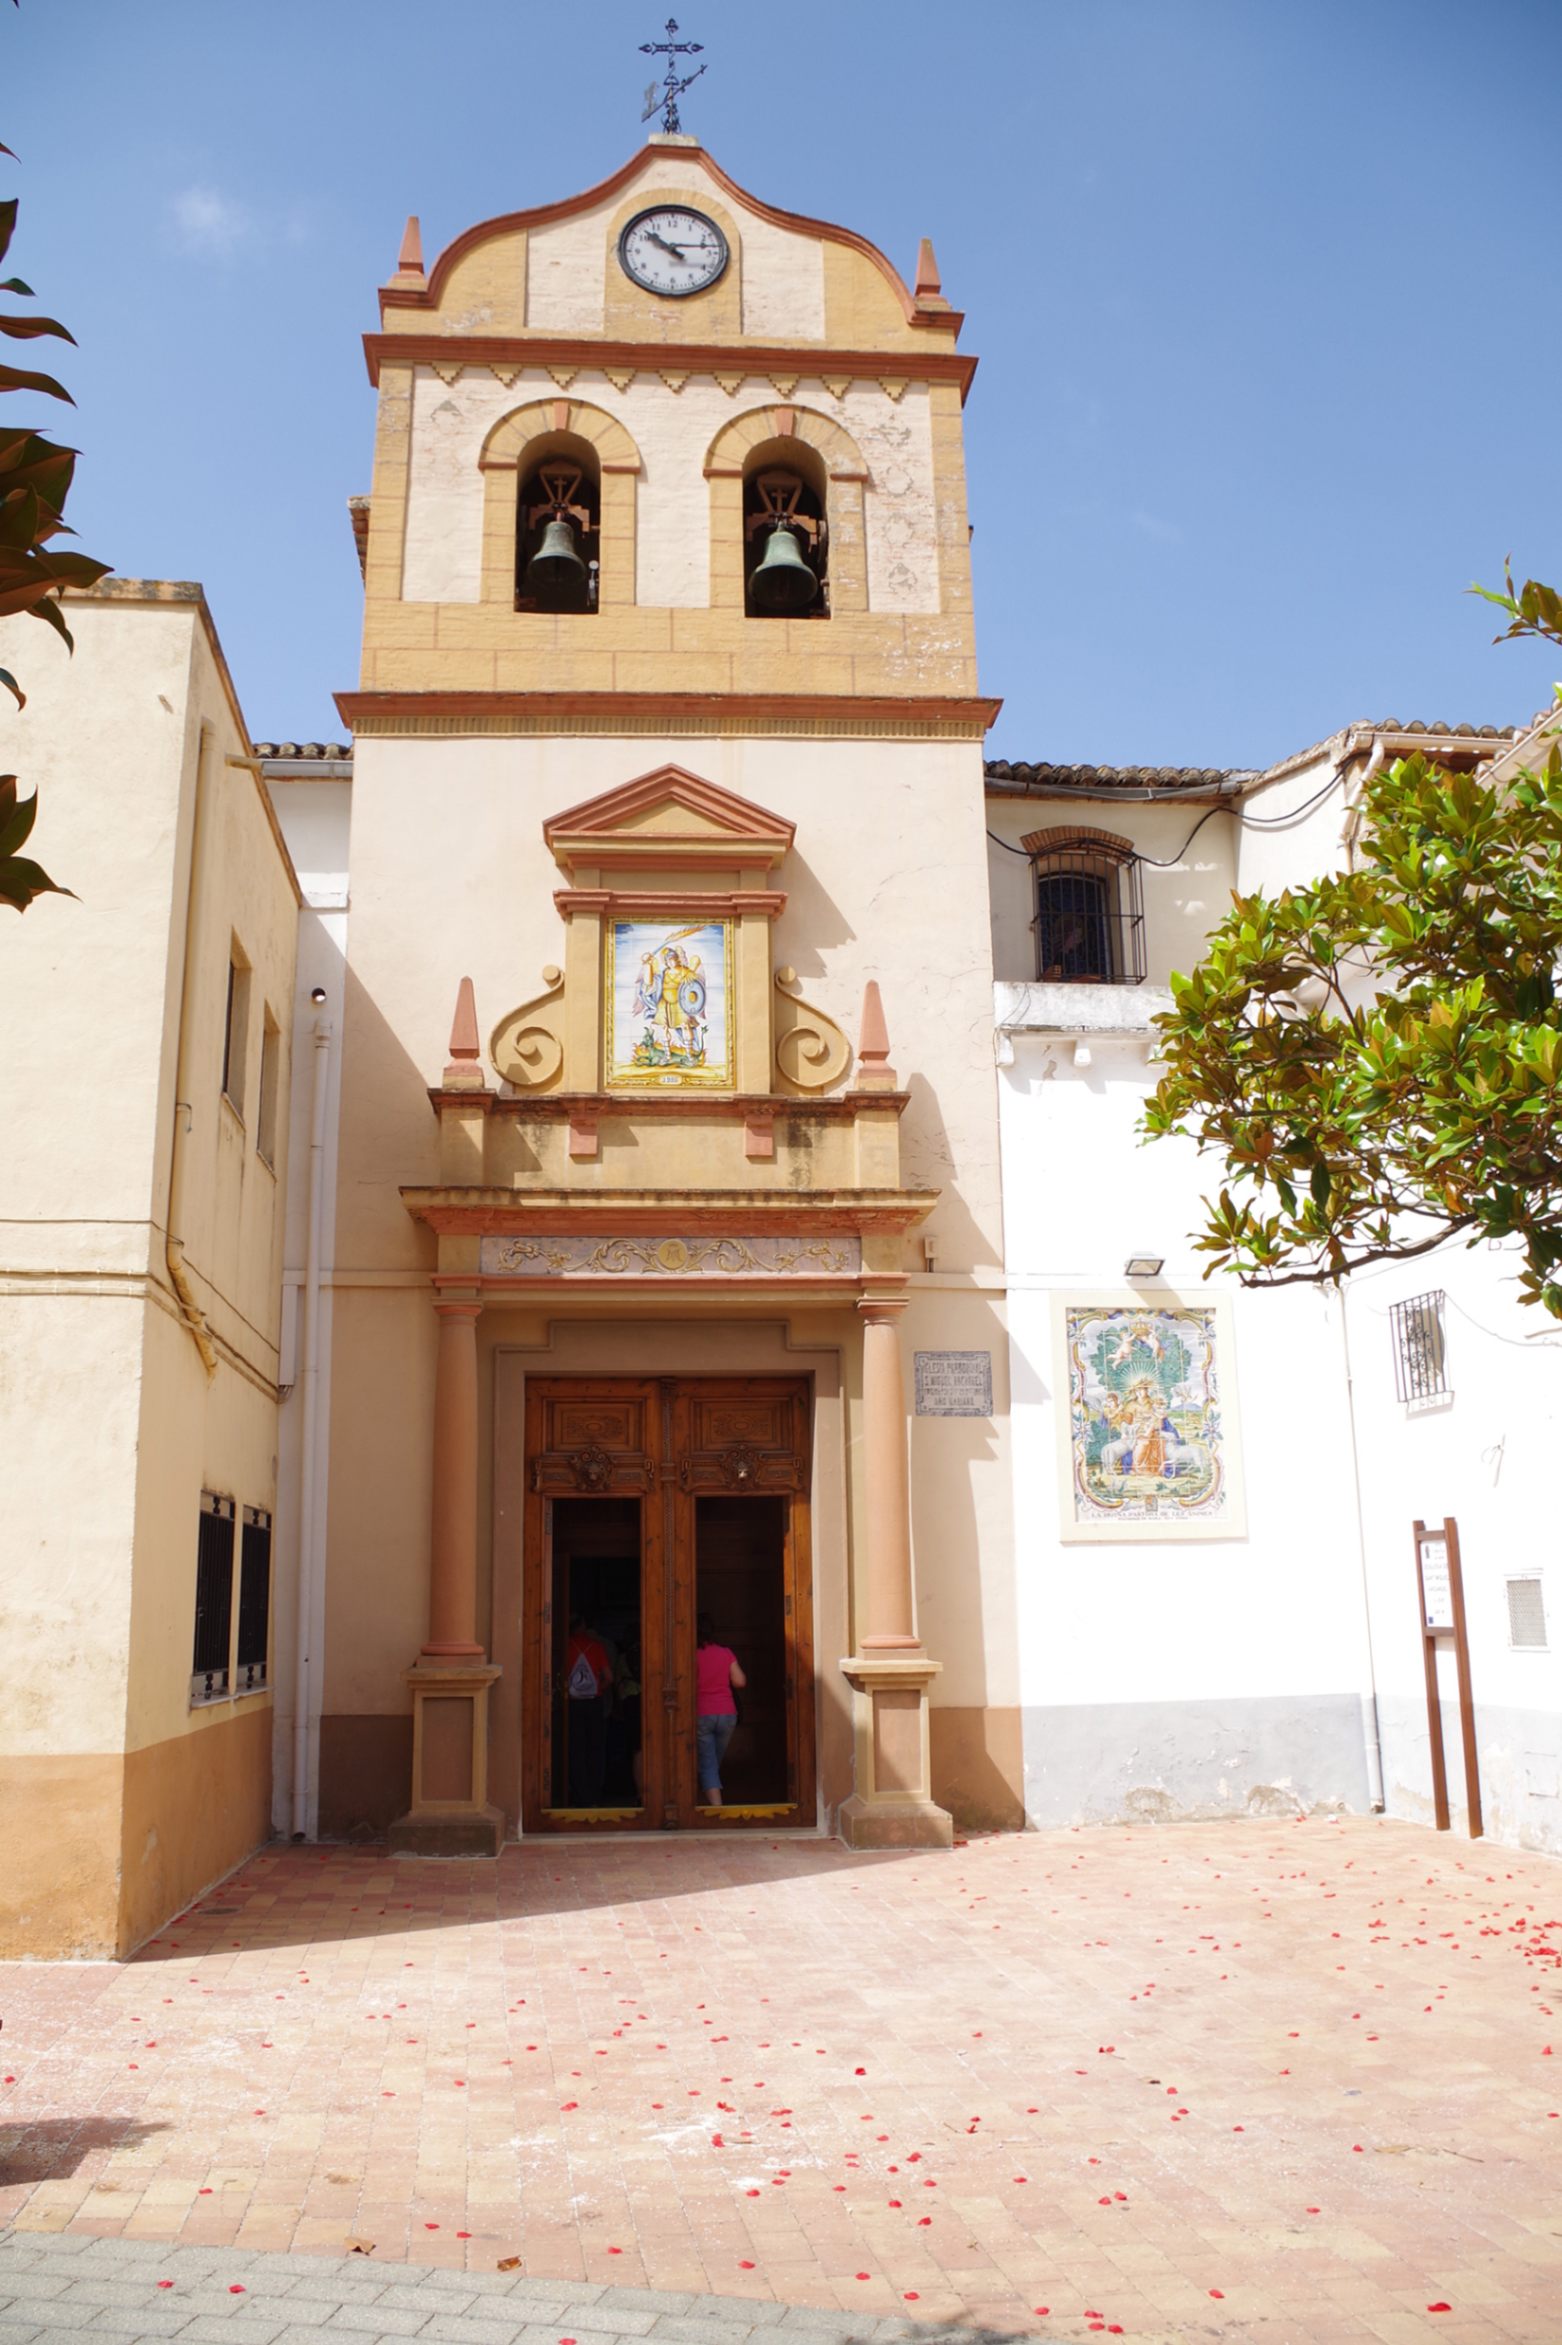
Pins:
x: 782, y: 581
x: 556, y: 573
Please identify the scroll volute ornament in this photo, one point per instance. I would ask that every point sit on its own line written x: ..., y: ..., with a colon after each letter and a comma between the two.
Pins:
x: 527, y: 1047
x: 811, y: 1051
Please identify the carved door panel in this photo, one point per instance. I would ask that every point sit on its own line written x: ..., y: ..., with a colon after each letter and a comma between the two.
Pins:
x: 648, y: 1499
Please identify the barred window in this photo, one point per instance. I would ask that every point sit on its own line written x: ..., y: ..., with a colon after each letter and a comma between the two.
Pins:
x: 213, y: 1599
x: 1089, y: 913
x: 1420, y: 1347
x: 254, y: 1601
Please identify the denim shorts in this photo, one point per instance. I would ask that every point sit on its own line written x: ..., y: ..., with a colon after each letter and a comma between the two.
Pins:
x: 711, y: 1738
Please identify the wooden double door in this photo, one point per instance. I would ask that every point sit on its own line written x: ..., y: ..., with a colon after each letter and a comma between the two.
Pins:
x: 655, y: 1504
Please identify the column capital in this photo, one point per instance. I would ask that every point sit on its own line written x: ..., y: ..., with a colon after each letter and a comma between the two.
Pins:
x: 881, y: 1310
x: 457, y: 1302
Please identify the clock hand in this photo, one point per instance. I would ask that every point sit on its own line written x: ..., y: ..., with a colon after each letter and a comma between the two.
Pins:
x: 675, y: 249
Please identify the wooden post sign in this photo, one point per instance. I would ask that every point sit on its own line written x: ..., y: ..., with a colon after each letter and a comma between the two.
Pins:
x: 1440, y: 1585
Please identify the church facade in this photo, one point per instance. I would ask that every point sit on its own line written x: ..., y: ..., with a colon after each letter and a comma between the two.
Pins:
x: 706, y: 1202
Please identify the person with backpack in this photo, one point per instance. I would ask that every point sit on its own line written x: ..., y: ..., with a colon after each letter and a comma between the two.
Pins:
x: 718, y: 1678
x: 588, y: 1679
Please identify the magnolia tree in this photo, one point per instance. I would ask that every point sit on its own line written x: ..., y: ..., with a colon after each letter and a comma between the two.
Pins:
x: 1376, y: 1056
x: 34, y: 477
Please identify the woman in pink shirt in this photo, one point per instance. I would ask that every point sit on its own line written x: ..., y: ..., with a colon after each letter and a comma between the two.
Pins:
x: 716, y: 1674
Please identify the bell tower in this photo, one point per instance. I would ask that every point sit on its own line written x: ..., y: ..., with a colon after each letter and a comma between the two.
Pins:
x: 662, y: 439
x: 668, y: 771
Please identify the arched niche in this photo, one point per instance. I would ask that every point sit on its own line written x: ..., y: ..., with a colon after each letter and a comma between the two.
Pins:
x: 510, y: 455
x: 814, y: 445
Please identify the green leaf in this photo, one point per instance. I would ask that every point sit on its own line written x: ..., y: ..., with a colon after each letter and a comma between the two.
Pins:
x: 16, y: 827
x: 11, y: 685
x: 21, y: 880
x: 8, y: 211
x: 15, y: 378
x: 15, y: 285
x: 27, y: 329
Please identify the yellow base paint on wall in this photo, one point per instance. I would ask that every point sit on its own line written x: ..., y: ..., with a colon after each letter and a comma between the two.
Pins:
x: 100, y: 1851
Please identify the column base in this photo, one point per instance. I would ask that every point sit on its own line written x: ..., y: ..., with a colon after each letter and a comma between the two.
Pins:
x: 869, y: 1823
x: 893, y: 1805
x: 450, y: 1814
x: 472, y: 1832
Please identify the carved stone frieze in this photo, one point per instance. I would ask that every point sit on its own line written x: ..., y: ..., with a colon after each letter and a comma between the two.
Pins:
x: 566, y: 1255
x: 527, y: 1047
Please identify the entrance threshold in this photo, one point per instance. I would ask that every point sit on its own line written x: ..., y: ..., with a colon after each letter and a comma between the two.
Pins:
x: 632, y: 1839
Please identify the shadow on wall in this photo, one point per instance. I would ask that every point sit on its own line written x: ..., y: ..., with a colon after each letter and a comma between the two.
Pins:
x: 52, y: 2148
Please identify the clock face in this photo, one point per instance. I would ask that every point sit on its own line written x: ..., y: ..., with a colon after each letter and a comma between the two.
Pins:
x: 672, y: 250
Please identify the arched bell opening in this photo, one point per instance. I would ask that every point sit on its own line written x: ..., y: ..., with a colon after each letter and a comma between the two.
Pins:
x: 558, y: 526
x: 786, y: 532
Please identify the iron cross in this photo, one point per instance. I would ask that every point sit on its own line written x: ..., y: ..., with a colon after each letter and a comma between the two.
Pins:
x: 672, y: 88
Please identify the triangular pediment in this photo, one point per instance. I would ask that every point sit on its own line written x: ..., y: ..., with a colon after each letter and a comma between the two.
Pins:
x: 669, y: 816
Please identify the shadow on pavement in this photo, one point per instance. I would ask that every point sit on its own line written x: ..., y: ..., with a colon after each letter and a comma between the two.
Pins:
x: 302, y: 1895
x: 50, y: 2148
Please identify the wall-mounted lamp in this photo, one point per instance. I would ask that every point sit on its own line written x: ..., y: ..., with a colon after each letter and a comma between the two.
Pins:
x: 1144, y: 1266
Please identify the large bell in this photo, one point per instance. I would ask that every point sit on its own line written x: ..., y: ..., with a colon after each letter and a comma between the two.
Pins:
x: 782, y: 581
x: 556, y: 574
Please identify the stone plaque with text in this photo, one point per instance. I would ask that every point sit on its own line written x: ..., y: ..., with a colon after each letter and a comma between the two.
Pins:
x: 954, y: 1384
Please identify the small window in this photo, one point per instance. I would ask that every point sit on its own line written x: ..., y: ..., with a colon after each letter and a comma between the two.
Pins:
x: 1420, y: 1350
x: 1089, y: 920
x: 213, y: 1600
x: 270, y: 1062
x: 235, y: 1033
x: 1527, y: 1614
x: 254, y: 1601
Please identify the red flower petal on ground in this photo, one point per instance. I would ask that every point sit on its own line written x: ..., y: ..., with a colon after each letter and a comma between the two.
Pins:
x: 1439, y: 2307
x: 864, y: 2275
x: 165, y: 2283
x: 1219, y: 2292
x: 235, y: 2288
x: 912, y: 2296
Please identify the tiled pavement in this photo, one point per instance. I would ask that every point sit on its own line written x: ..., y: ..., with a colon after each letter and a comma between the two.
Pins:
x: 1281, y: 2083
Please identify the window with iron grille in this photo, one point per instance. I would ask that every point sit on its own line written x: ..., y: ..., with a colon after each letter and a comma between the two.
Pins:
x: 1420, y: 1356
x: 1527, y: 1614
x: 213, y: 1600
x: 254, y: 1601
x: 1089, y: 919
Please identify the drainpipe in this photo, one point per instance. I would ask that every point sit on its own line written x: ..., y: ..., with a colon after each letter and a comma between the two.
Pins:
x: 309, y: 1403
x: 190, y: 1310
x: 1374, y: 1738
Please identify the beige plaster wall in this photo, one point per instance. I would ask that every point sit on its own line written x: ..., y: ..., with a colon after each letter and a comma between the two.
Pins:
x: 673, y: 430
x: 553, y: 277
x: 107, y: 1416
x: 887, y: 880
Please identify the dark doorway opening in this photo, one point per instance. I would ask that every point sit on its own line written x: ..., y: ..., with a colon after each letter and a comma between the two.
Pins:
x: 740, y: 1579
x: 595, y: 1597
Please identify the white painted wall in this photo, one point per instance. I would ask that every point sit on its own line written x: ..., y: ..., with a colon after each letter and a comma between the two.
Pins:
x: 1486, y: 1456
x: 1161, y: 1678
x: 1181, y: 904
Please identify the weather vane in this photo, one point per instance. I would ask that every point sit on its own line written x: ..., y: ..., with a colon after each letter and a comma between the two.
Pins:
x: 672, y: 88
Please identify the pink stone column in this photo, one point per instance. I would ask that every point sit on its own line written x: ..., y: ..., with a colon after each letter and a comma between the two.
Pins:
x: 452, y: 1590
x: 888, y: 1624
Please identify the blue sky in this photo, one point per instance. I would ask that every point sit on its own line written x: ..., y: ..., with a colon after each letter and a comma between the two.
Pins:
x: 1264, y: 292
